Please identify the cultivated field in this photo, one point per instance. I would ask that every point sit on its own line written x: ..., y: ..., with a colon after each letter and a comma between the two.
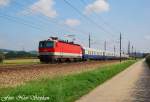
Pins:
x: 12, y: 75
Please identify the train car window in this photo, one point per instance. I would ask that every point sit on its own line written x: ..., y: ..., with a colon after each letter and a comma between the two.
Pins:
x: 86, y: 52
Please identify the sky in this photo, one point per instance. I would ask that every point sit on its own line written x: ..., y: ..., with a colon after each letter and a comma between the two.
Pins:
x: 23, y: 23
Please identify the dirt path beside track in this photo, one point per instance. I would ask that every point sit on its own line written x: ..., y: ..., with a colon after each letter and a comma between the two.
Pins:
x: 19, y: 74
x: 131, y: 85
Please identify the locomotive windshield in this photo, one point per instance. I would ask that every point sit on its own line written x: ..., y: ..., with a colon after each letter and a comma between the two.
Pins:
x: 46, y: 44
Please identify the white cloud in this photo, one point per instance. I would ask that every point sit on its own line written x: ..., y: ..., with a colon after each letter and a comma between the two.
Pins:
x: 72, y: 22
x: 97, y: 7
x: 4, y: 2
x: 44, y: 7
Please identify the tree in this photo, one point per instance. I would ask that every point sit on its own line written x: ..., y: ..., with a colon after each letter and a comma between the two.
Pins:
x: 1, y: 57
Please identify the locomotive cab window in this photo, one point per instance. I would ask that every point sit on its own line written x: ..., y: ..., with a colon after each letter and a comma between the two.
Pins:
x: 46, y: 44
x: 50, y: 44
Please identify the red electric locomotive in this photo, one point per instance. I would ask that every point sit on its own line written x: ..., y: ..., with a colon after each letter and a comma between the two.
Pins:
x: 52, y: 50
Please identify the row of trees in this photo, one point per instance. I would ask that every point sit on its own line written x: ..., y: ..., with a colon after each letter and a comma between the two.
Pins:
x: 19, y: 54
x: 16, y: 54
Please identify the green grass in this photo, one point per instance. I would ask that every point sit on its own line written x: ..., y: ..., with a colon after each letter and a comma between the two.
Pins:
x: 66, y: 88
x: 20, y: 61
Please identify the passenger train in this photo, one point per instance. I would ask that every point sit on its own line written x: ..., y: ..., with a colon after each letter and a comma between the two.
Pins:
x: 55, y: 50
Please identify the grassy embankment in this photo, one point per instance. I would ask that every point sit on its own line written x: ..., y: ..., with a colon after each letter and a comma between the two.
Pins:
x: 20, y: 61
x: 65, y: 88
x: 148, y: 60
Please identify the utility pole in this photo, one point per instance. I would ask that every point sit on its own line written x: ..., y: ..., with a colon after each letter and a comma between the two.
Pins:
x: 89, y: 41
x: 105, y: 45
x: 135, y: 54
x: 114, y: 50
x: 120, y: 45
x: 132, y: 51
x: 129, y: 48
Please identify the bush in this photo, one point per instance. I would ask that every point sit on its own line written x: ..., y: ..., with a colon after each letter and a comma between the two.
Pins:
x: 148, y: 60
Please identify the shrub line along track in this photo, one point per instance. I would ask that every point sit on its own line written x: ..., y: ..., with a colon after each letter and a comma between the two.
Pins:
x: 19, y: 74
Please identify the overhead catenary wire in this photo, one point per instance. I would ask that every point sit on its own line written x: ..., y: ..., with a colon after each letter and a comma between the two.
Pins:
x: 58, y: 23
x: 21, y: 21
x: 104, y: 21
x: 86, y: 17
x: 26, y: 22
x: 112, y: 28
x: 32, y: 24
x: 92, y: 21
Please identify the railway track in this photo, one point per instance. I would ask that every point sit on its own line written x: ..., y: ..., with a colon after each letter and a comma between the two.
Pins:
x: 4, y: 68
x: 19, y: 74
